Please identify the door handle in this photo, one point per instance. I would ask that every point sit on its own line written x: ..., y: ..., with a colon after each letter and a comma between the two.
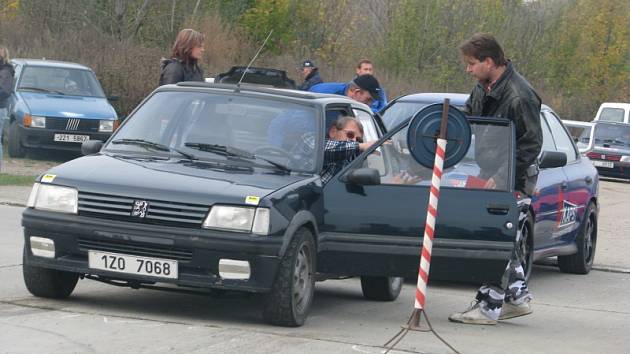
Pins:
x: 498, y: 209
x: 588, y: 179
x: 564, y: 185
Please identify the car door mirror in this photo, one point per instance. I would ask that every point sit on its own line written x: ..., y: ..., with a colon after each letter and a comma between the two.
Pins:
x: 364, y: 176
x: 113, y: 98
x: 551, y: 159
x: 90, y: 147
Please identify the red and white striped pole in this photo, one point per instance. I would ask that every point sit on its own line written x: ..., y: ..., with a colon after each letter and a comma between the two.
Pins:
x: 429, y: 227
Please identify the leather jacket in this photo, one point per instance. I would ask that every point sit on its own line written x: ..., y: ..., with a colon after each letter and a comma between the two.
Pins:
x: 313, y: 78
x: 174, y: 70
x: 6, y: 82
x: 511, y: 97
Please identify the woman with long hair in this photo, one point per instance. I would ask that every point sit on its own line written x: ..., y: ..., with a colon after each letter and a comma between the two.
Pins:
x: 183, y: 64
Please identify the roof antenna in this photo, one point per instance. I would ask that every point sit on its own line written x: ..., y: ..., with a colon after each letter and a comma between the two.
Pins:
x: 238, y: 85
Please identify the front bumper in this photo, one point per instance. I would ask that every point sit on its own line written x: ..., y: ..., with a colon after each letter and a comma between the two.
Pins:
x: 197, y: 251
x: 42, y: 138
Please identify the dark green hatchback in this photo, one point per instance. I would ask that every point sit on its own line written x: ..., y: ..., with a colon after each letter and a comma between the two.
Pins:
x: 210, y: 186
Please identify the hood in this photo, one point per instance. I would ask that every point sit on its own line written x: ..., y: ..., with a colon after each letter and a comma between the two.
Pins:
x: 51, y: 105
x: 169, y: 180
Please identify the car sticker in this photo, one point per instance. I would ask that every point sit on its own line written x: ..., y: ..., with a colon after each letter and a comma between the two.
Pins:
x: 48, y: 178
x: 569, y: 214
x: 252, y: 200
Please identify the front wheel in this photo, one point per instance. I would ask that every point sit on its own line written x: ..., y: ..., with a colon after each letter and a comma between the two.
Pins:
x: 582, y: 261
x: 291, y: 296
x: 49, y: 283
x: 526, y: 246
x: 381, y: 288
x: 15, y: 147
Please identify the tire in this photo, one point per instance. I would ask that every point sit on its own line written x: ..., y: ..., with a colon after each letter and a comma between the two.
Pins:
x: 15, y: 147
x: 48, y: 283
x: 586, y: 240
x: 526, y: 246
x: 289, y: 301
x: 381, y: 288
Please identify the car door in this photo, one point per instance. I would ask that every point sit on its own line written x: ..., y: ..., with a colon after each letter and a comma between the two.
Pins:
x: 548, y: 195
x: 575, y: 193
x: 377, y: 229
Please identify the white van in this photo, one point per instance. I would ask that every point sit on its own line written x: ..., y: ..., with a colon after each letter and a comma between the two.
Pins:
x: 613, y: 112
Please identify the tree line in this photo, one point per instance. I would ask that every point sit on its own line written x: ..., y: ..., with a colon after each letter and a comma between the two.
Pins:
x: 576, y: 53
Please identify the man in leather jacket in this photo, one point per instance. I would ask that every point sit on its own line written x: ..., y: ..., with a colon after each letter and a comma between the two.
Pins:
x: 502, y: 92
x: 311, y: 75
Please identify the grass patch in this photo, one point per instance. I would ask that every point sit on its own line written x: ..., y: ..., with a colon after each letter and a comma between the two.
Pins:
x: 16, y: 180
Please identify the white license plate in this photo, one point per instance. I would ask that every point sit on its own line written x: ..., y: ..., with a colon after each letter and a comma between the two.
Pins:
x: 607, y: 164
x: 128, y: 264
x: 71, y: 138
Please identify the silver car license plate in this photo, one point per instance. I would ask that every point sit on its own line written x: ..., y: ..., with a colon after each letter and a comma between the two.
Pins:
x: 71, y: 138
x: 607, y: 164
x: 123, y: 263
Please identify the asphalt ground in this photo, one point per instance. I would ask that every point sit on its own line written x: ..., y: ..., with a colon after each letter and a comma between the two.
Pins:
x: 572, y: 313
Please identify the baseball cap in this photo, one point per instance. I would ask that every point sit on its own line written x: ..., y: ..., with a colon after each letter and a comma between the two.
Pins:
x: 369, y: 83
x: 308, y: 64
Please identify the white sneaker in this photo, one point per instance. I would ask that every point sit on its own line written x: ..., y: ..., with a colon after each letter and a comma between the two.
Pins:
x: 472, y: 316
x: 510, y: 310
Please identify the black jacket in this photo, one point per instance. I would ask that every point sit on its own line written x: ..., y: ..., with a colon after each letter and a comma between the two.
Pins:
x: 174, y: 70
x: 6, y: 83
x: 311, y: 79
x: 514, y: 98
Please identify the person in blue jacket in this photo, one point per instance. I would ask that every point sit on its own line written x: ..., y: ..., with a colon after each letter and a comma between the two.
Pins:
x: 365, y: 66
x: 364, y: 88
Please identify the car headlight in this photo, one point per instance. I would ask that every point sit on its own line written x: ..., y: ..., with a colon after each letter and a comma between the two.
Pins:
x: 244, y: 219
x: 53, y: 198
x: 34, y: 121
x: 106, y: 125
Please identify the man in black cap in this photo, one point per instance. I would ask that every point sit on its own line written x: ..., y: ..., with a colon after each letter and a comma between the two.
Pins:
x: 310, y: 74
x: 364, y: 88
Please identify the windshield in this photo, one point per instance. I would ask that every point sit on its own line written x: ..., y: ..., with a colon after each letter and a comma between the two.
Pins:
x: 64, y: 81
x: 612, y: 115
x: 617, y: 135
x: 221, y: 127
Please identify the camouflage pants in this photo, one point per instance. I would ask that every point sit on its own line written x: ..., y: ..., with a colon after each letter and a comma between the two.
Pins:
x: 513, y: 286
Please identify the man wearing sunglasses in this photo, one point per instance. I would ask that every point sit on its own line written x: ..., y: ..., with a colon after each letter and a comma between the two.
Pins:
x: 344, y: 143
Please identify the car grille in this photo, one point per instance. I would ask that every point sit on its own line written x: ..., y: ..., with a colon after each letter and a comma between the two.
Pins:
x: 72, y: 124
x: 598, y: 156
x: 135, y: 248
x: 156, y: 212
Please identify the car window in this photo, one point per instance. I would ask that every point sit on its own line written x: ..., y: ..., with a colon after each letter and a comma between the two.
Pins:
x: 398, y: 112
x: 488, y: 156
x: 369, y: 126
x: 561, y: 138
x: 74, y: 82
x: 612, y: 114
x: 548, y: 142
x: 284, y: 132
x: 612, y: 135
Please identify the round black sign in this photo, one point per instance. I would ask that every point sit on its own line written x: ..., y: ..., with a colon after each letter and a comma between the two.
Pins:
x: 424, y: 129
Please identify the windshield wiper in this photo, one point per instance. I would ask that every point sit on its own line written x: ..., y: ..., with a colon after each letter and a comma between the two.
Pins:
x: 156, y: 146
x: 41, y: 90
x: 233, y: 152
x: 220, y: 149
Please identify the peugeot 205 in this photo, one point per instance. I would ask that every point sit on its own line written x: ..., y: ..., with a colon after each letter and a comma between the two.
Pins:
x: 203, y: 187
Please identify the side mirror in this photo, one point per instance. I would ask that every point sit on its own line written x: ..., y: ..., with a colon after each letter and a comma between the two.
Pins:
x: 90, y: 147
x: 113, y: 98
x: 364, y: 176
x: 551, y: 159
